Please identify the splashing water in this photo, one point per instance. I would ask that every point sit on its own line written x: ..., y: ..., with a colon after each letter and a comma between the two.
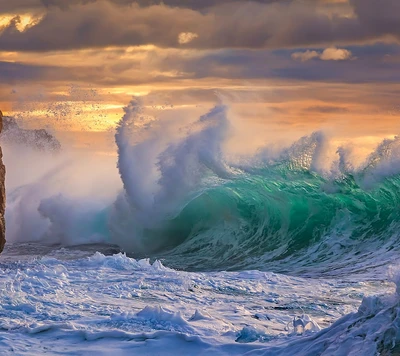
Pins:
x: 177, y: 196
x: 183, y: 201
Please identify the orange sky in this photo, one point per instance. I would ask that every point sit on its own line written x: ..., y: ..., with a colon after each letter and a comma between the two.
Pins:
x: 286, y: 66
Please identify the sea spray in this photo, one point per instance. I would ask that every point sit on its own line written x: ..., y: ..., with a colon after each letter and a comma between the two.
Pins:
x: 160, y: 176
x: 183, y: 200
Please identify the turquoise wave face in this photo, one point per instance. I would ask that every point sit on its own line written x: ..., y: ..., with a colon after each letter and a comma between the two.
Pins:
x: 276, y: 213
x: 282, y: 218
x: 184, y: 201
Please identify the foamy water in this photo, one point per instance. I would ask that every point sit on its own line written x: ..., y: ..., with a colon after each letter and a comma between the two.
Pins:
x: 65, y: 304
x: 176, y: 247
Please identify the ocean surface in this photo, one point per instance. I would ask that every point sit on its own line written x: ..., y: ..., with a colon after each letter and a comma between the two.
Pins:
x: 194, y: 252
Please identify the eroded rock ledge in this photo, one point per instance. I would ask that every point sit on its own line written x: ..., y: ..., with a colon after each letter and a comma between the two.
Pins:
x: 2, y: 194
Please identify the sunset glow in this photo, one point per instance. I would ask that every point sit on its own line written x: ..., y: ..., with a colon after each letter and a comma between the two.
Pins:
x: 341, y: 78
x: 200, y: 177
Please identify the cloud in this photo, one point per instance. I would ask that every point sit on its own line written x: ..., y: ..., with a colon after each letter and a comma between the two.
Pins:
x: 101, y: 25
x: 7, y: 6
x: 18, y: 5
x: 186, y: 37
x: 327, y: 109
x: 329, y: 54
x: 305, y: 56
x: 222, y: 24
x: 148, y: 66
x: 20, y: 22
x: 335, y: 54
x: 13, y: 72
x: 378, y: 17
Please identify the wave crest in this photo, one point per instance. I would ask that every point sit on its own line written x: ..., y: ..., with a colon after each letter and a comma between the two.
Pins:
x: 183, y: 200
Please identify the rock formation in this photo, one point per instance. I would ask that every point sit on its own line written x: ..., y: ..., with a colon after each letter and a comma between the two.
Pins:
x: 2, y: 194
x: 37, y: 139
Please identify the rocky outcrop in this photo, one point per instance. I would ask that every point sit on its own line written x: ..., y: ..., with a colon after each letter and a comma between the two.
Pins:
x: 37, y: 139
x: 2, y: 194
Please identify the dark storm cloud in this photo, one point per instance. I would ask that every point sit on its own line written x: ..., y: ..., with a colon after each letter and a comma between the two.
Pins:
x: 195, y: 4
x: 264, y: 64
x: 98, y: 25
x: 19, y: 73
x: 14, y: 5
x: 378, y: 17
x: 234, y: 24
x: 18, y: 5
x: 13, y: 72
x: 156, y: 67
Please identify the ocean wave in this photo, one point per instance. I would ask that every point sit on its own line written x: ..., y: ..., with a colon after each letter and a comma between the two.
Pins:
x: 183, y: 201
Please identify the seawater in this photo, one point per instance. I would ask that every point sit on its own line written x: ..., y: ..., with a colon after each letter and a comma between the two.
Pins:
x: 190, y: 252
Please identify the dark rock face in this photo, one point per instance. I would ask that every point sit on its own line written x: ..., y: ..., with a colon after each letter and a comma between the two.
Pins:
x: 37, y: 139
x: 2, y: 194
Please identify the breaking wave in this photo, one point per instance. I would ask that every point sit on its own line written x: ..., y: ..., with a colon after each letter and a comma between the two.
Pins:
x: 185, y: 202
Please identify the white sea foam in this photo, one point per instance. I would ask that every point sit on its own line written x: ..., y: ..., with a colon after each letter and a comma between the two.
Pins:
x: 69, y: 303
x: 117, y: 304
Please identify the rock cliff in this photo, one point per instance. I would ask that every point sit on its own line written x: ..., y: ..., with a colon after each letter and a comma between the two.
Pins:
x: 2, y: 194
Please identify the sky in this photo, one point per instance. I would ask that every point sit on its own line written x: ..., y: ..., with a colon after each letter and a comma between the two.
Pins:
x: 296, y: 65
